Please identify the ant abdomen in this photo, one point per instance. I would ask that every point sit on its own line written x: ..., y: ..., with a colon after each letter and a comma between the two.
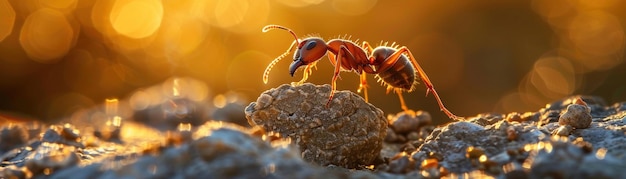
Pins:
x: 399, y: 75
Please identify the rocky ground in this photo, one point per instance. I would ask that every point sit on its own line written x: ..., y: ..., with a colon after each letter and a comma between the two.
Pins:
x: 290, y: 133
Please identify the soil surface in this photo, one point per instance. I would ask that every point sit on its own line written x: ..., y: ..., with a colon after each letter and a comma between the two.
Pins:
x: 293, y: 134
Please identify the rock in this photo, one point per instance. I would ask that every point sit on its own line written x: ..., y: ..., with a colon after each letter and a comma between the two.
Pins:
x: 220, y: 150
x: 65, y: 134
x: 231, y: 112
x: 172, y: 112
x: 348, y: 133
x: 563, y: 130
x: 545, y: 144
x: 559, y: 157
x: 50, y: 157
x: 453, y: 141
x: 409, y: 121
x: 577, y: 116
x: 12, y: 136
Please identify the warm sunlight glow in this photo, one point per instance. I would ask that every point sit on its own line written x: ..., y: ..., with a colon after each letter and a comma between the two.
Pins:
x: 7, y: 19
x: 585, y: 31
x: 353, y: 7
x: 300, y: 3
x: 601, y: 153
x: 46, y: 35
x: 59, y: 4
x: 219, y: 101
x: 111, y: 106
x: 136, y: 18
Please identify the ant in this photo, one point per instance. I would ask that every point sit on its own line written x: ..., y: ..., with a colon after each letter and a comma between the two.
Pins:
x: 395, y: 67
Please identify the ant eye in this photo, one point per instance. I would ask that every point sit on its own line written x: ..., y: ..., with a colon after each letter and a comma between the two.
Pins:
x: 310, y: 45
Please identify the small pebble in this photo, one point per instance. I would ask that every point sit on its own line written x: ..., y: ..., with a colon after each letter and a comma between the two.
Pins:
x: 409, y: 121
x: 565, y: 130
x: 511, y: 133
x: 514, y: 116
x: 577, y: 116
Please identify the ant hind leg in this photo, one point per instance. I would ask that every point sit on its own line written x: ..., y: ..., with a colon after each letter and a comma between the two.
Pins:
x: 402, y: 103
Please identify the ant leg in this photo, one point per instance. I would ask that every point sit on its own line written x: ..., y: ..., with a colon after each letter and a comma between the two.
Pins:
x: 402, y: 104
x: 343, y: 50
x: 307, y: 71
x: 335, y: 76
x: 429, y: 85
x: 363, y: 86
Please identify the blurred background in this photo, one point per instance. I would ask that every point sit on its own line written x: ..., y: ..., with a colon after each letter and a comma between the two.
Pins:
x: 60, y: 56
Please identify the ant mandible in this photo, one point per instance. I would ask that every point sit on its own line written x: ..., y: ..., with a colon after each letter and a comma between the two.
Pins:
x: 394, y: 66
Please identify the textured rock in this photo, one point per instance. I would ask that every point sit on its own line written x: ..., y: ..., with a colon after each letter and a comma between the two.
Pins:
x: 577, y: 116
x: 221, y: 150
x: 557, y: 157
x: 348, y: 133
x: 409, y: 121
x: 12, y: 136
x: 169, y: 114
x: 546, y: 147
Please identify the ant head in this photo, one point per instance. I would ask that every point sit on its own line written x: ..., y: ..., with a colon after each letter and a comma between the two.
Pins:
x: 309, y: 50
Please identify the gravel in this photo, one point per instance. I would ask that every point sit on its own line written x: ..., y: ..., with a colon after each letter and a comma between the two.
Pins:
x: 293, y: 135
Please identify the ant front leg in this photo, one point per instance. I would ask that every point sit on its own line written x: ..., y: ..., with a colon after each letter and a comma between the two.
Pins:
x: 363, y: 86
x: 343, y: 51
x: 305, y: 75
x: 429, y: 85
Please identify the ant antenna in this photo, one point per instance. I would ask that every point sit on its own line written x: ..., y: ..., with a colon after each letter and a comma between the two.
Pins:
x: 266, y: 74
x: 270, y: 27
x: 293, y: 44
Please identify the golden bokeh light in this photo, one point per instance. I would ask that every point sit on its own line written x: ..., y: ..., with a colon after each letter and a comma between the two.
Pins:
x: 62, y: 5
x: 240, y: 67
x: 185, y: 88
x: 597, y: 4
x: 585, y: 31
x: 241, y: 16
x: 554, y: 77
x: 556, y: 12
x: 299, y: 3
x: 601, y: 153
x: 183, y: 36
x: 100, y: 16
x: 136, y: 18
x: 353, y: 7
x: 46, y: 35
x: 7, y: 19
x: 232, y: 12
x: 219, y: 101
x: 111, y: 106
x: 140, y: 100
x: 509, y: 56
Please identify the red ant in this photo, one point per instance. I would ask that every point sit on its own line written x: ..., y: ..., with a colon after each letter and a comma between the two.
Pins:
x: 394, y: 66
